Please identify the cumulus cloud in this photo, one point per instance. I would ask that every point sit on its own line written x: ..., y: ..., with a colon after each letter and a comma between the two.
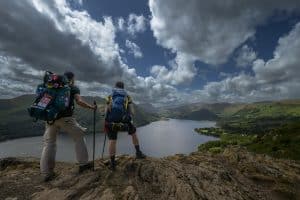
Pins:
x: 210, y: 30
x: 121, y: 24
x: 285, y: 65
x: 277, y: 78
x: 50, y: 35
x: 21, y: 80
x: 245, y: 56
x: 55, y: 36
x: 182, y: 71
x: 133, y: 25
x: 134, y: 49
x: 39, y: 35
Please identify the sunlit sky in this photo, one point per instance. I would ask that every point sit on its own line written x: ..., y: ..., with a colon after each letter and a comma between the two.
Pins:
x: 166, y: 51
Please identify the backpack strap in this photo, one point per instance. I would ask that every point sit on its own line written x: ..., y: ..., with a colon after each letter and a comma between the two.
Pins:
x: 126, y: 102
x: 109, y: 99
x: 109, y: 102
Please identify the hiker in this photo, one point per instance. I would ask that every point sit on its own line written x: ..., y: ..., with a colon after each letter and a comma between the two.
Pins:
x: 67, y: 123
x: 119, y: 113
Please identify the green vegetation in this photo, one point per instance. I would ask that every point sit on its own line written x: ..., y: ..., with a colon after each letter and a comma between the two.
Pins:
x: 226, y: 140
x: 271, y: 128
x: 267, y: 127
x: 216, y: 132
x: 16, y: 123
x: 259, y: 118
x: 192, y: 112
x: 282, y: 142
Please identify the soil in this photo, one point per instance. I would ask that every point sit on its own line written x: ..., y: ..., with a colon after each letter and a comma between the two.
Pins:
x: 232, y: 174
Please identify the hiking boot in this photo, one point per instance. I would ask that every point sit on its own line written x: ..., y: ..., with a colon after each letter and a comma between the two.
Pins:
x: 112, y: 166
x: 84, y: 167
x: 140, y: 155
x: 49, y: 177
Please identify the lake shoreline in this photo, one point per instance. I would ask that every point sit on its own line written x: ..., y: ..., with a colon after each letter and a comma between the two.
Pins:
x: 88, y: 133
x: 153, y: 139
x: 91, y: 132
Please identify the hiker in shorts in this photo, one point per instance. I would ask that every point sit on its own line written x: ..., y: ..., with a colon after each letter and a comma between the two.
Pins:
x: 119, y: 112
x: 67, y: 123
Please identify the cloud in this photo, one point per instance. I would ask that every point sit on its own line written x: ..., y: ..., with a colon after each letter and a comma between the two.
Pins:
x: 136, y: 24
x: 210, y: 31
x: 50, y: 35
x: 277, y: 78
x: 285, y: 65
x: 133, y: 25
x: 39, y: 35
x: 16, y: 78
x: 59, y: 38
x: 121, y: 23
x: 182, y: 71
x: 134, y: 49
x: 245, y: 56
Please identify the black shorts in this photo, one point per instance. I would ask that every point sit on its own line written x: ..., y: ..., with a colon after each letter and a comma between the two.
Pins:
x: 112, y: 135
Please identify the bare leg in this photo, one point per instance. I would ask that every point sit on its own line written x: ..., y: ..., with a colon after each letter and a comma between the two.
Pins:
x: 135, y: 139
x: 135, y: 142
x: 112, y: 147
x: 112, y: 153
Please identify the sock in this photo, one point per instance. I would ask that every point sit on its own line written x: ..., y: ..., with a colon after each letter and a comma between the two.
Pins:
x: 137, y: 148
x: 112, y: 160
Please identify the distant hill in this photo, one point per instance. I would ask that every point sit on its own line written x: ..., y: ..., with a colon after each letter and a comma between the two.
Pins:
x: 256, y: 117
x: 148, y: 107
x: 196, y: 111
x: 235, y: 117
x: 15, y: 121
x: 260, y: 117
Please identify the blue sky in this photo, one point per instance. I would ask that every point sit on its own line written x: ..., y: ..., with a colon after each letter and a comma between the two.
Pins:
x: 165, y: 51
x: 264, y: 42
x: 153, y: 54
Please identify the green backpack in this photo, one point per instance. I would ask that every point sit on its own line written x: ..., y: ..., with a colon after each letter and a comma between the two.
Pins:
x: 53, y: 97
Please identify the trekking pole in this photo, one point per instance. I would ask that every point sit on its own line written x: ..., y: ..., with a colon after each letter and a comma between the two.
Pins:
x: 103, y: 145
x: 94, y: 134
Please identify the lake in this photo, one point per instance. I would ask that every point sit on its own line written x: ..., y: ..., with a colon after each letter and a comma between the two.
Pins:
x: 157, y: 139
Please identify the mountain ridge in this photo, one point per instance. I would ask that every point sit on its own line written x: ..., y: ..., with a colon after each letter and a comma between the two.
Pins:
x: 15, y: 121
x: 233, y: 174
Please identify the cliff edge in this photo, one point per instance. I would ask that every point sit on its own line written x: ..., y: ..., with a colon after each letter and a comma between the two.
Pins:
x: 232, y: 174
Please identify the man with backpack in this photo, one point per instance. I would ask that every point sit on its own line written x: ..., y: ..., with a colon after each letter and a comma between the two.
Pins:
x: 119, y: 112
x: 67, y: 123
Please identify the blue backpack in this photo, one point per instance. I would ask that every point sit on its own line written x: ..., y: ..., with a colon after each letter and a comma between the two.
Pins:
x: 118, y: 107
x: 53, y: 97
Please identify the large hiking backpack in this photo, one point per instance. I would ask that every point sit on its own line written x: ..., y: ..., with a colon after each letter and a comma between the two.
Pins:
x: 53, y: 97
x: 118, y: 107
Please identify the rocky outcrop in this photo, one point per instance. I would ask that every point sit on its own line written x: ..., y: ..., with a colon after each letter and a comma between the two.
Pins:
x: 233, y: 174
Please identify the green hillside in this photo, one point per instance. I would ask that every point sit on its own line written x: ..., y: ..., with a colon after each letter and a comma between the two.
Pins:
x: 195, y: 111
x: 243, y: 118
x: 271, y: 128
x: 15, y: 121
x: 259, y: 117
x: 14, y: 118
